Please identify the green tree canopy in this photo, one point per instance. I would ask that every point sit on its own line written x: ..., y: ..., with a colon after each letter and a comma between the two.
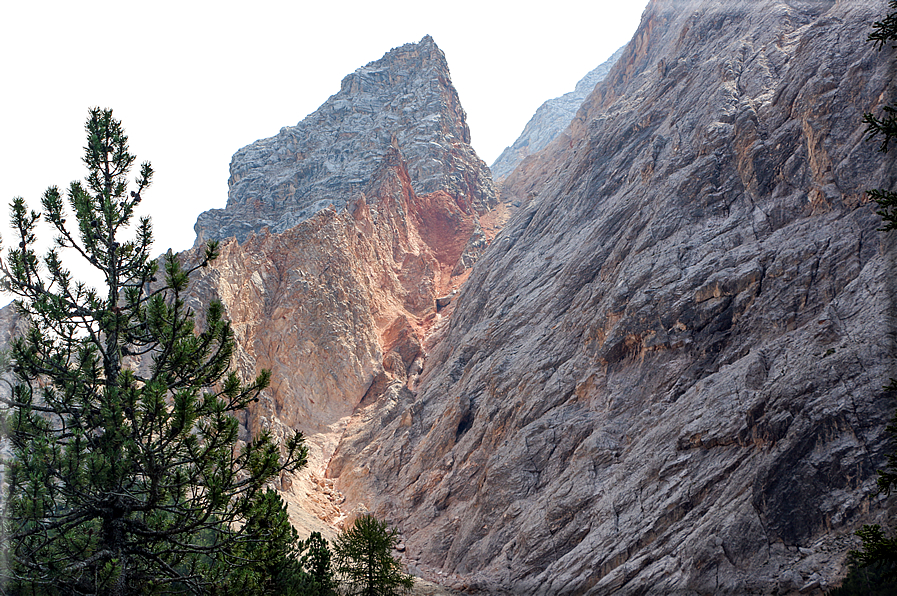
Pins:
x: 364, y: 560
x: 125, y: 476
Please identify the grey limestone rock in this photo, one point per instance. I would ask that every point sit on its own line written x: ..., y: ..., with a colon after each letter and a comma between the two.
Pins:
x: 665, y: 375
x: 550, y: 120
x: 403, y: 101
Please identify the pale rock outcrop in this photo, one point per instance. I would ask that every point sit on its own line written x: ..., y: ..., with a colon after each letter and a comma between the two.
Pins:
x: 665, y: 375
x: 550, y: 120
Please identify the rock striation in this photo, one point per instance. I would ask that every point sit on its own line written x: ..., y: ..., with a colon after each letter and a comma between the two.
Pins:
x: 403, y: 101
x: 335, y: 285
x: 664, y: 376
x: 550, y: 120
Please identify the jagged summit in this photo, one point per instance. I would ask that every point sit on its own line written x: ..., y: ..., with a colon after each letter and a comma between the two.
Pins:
x: 404, y: 101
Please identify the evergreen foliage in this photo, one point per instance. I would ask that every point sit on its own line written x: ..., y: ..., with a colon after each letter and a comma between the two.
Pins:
x: 125, y: 476
x: 286, y: 566
x: 364, y: 561
x: 316, y: 577
x: 866, y: 581
x: 884, y: 129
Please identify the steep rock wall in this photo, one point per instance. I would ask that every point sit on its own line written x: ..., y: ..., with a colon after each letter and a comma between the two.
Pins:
x: 664, y: 376
x: 338, y: 304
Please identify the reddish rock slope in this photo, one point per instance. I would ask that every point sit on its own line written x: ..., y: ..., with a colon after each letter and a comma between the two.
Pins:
x: 338, y: 304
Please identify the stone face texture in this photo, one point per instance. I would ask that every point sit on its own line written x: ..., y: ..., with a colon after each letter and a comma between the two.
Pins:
x: 11, y: 324
x: 550, y: 120
x: 338, y: 305
x: 404, y: 101
x: 665, y: 374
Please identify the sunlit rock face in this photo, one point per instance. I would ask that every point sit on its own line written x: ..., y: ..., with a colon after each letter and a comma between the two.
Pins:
x: 665, y: 374
x: 342, y: 242
x: 405, y: 101
x: 550, y: 120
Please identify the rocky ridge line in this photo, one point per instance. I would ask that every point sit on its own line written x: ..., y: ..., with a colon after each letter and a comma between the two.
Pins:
x: 404, y: 101
x: 550, y: 120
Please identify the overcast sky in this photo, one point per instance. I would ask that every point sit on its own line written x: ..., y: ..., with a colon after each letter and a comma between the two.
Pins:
x: 195, y: 81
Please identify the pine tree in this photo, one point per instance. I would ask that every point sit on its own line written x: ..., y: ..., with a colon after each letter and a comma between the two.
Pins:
x: 316, y: 577
x: 125, y: 476
x: 364, y: 560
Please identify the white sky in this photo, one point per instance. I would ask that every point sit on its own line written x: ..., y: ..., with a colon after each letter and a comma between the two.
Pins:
x: 195, y: 81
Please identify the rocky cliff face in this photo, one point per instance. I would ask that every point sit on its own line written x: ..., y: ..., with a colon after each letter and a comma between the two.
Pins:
x: 404, y: 100
x: 550, y: 120
x: 664, y: 375
x: 388, y: 209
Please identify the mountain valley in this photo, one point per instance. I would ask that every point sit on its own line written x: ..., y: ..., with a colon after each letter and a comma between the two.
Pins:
x: 646, y: 357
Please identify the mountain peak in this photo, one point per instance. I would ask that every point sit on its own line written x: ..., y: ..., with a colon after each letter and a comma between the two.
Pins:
x: 398, y: 65
x: 404, y: 100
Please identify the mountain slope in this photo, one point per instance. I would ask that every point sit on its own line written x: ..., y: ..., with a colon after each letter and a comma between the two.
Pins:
x: 550, y: 120
x: 664, y: 376
x: 337, y: 298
